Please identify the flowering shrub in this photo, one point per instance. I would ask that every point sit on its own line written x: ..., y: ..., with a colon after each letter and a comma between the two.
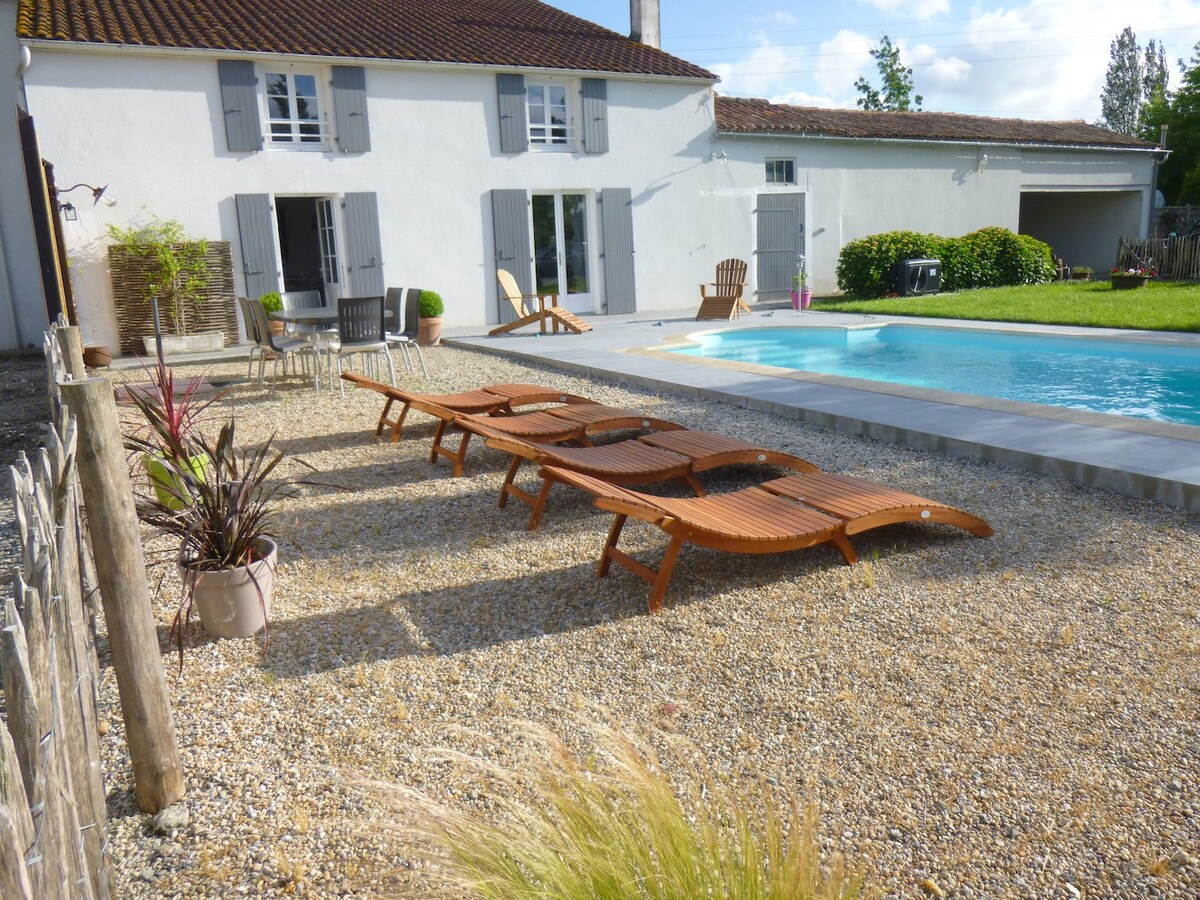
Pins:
x: 989, y: 257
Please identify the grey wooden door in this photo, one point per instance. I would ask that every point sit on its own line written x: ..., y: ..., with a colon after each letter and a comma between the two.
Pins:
x: 510, y: 231
x: 616, y: 213
x: 260, y: 261
x: 780, y: 225
x: 364, y: 251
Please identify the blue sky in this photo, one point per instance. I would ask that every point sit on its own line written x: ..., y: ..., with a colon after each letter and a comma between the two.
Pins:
x: 1039, y: 59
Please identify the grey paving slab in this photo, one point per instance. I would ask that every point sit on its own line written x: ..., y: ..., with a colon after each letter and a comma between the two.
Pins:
x: 1144, y: 459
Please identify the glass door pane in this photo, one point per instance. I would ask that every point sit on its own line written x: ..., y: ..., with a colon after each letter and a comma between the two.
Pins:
x: 575, y: 242
x: 545, y: 245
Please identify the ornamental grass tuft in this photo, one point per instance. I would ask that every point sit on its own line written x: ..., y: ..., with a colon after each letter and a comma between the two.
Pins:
x: 610, y: 826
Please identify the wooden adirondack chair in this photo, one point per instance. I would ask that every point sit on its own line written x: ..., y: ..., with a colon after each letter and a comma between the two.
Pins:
x: 553, y: 313
x: 726, y: 300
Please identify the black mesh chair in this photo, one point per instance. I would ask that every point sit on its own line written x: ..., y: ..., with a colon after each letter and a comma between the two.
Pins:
x: 398, y: 334
x: 360, y: 331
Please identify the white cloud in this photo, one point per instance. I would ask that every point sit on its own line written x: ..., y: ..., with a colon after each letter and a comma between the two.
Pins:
x: 918, y: 10
x: 1041, y: 59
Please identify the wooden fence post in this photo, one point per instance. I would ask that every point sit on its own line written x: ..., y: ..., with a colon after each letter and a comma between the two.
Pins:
x: 121, y: 573
x: 70, y: 342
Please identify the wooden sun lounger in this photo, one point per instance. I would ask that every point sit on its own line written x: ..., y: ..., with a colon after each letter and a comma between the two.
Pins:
x: 492, y: 400
x: 550, y: 426
x: 746, y: 521
x: 774, y: 517
x: 553, y: 314
x: 659, y: 456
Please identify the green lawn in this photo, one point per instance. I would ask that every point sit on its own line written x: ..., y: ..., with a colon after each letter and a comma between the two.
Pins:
x: 1159, y: 306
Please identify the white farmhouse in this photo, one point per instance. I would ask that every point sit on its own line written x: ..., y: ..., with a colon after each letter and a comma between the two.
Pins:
x: 350, y: 146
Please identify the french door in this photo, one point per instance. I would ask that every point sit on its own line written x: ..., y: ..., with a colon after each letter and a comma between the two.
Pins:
x: 561, y: 252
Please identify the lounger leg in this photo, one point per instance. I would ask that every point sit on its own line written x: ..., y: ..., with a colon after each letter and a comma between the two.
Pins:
x: 535, y: 517
x: 614, y: 534
x: 508, y: 480
x: 437, y: 441
x: 842, y: 543
x: 399, y: 423
x: 690, y: 480
x: 659, y: 590
x: 383, y: 419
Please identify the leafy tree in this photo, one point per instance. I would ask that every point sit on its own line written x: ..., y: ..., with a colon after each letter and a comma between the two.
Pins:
x: 1121, y: 99
x: 1154, y: 71
x: 895, y: 92
x: 1179, y: 177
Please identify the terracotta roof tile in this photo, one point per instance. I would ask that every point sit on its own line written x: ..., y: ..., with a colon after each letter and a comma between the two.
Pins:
x: 517, y: 33
x: 759, y: 116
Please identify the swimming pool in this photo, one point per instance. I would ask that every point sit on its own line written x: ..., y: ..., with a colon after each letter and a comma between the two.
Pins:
x: 1127, y: 378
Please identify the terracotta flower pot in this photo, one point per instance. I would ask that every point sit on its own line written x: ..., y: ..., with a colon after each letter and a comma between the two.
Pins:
x: 429, y: 331
x: 96, y: 357
x: 234, y: 603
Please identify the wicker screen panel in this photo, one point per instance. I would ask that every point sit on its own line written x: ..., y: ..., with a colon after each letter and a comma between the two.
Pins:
x: 215, y: 310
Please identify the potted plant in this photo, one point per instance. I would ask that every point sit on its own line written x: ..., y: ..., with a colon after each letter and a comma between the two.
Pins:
x: 429, y: 318
x: 172, y: 414
x: 794, y: 293
x: 167, y: 264
x: 1081, y: 273
x: 272, y: 302
x: 1129, y: 278
x: 800, y: 282
x: 227, y: 554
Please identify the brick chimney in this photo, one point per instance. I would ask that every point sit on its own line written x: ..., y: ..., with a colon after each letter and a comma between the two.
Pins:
x: 644, y: 22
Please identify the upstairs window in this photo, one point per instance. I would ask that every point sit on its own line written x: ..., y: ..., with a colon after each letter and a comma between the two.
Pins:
x: 295, y: 109
x: 549, y: 116
x: 781, y: 171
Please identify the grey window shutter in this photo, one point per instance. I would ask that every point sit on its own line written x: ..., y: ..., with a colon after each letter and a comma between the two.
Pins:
x: 260, y: 263
x: 514, y: 132
x: 510, y: 228
x: 350, y: 109
x: 239, y: 100
x: 779, y: 236
x: 365, y: 256
x: 594, y: 114
x: 616, y: 210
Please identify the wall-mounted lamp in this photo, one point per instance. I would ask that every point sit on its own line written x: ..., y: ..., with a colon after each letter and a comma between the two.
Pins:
x: 718, y: 155
x: 70, y: 213
x: 981, y: 163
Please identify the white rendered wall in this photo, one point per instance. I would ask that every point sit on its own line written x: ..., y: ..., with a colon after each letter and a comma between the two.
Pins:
x: 22, y: 300
x: 857, y: 188
x: 151, y: 126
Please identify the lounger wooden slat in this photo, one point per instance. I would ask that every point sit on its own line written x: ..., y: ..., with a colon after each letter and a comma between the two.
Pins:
x: 571, y: 422
x: 708, y: 450
x: 864, y: 505
x: 625, y: 462
x: 659, y: 456
x: 494, y: 400
x: 749, y: 521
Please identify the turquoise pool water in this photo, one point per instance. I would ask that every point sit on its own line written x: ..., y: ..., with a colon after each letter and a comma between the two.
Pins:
x: 1148, y: 381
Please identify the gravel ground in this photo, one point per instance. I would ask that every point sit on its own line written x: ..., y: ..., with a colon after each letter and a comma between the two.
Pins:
x: 1016, y: 716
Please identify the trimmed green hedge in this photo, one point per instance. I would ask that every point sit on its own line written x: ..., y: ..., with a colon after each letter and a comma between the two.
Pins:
x: 989, y: 257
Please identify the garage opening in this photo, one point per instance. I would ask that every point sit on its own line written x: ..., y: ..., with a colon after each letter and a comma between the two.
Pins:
x: 1082, y: 227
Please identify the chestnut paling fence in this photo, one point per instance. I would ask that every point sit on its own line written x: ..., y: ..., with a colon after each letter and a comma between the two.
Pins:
x: 1173, y: 258
x: 53, y: 823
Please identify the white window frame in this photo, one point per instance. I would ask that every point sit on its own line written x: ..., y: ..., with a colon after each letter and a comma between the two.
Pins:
x: 780, y: 161
x: 541, y: 136
x: 320, y: 77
